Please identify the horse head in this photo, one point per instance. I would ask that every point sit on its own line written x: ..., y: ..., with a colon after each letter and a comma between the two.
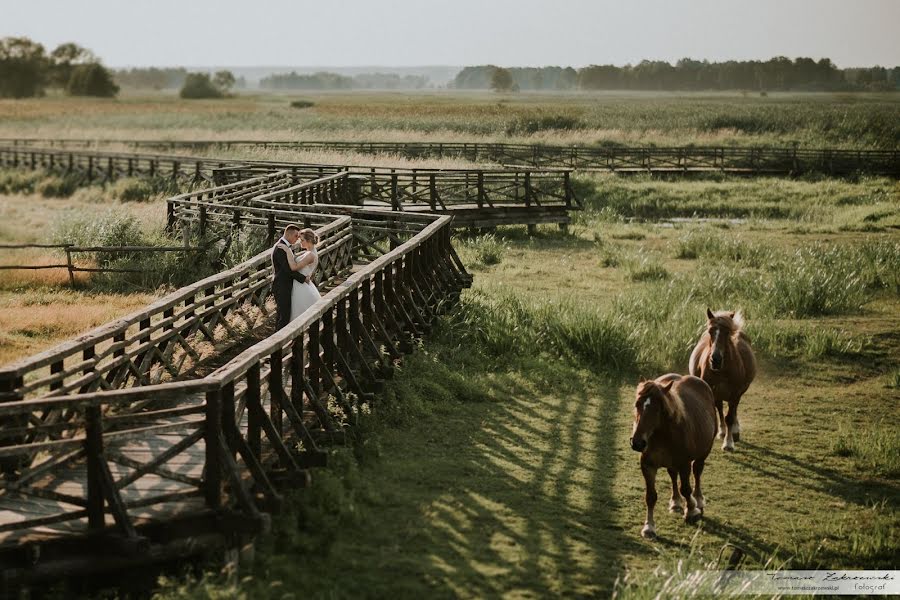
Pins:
x: 649, y: 412
x: 720, y: 327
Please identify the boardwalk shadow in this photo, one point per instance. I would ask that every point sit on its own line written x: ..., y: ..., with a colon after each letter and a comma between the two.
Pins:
x: 535, y: 513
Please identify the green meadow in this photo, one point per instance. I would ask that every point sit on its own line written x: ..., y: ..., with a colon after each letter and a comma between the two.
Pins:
x: 496, y: 463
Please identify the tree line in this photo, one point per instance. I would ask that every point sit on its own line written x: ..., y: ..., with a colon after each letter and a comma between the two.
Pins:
x: 777, y: 74
x: 333, y: 81
x: 28, y: 70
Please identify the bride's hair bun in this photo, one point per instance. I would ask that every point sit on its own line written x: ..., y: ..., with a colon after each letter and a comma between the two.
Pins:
x: 309, y: 235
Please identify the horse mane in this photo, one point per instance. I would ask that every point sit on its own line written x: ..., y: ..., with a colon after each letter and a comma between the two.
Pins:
x: 674, y: 408
x: 736, y: 323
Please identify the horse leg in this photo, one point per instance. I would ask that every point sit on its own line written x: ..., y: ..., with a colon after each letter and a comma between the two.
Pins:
x: 675, y: 502
x: 721, y: 411
x: 728, y: 444
x: 649, y: 529
x: 697, y: 467
x: 736, y: 428
x: 691, y: 513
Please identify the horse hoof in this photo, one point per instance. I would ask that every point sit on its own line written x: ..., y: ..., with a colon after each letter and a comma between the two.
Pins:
x: 676, y: 508
x: 736, y: 436
x: 728, y: 448
x: 693, y: 517
x: 648, y: 533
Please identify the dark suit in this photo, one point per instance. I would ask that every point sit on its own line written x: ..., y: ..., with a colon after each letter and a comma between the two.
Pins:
x: 283, y: 283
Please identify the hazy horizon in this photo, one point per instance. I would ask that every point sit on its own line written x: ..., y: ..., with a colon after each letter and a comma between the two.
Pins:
x: 408, y: 34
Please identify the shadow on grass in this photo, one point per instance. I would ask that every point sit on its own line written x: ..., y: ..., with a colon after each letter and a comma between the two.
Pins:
x: 533, y: 510
x: 779, y: 466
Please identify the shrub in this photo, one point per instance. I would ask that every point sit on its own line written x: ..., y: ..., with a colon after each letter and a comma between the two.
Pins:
x: 105, y: 229
x: 92, y: 79
x: 530, y: 125
x: 134, y: 189
x: 199, y: 85
x: 58, y: 187
x: 302, y: 104
x: 488, y: 249
x: 14, y: 181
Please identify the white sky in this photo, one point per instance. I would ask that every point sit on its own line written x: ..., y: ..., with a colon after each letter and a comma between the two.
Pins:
x: 459, y: 32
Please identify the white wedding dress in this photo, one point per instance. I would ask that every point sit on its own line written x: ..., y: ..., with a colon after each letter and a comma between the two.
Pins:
x: 304, y: 295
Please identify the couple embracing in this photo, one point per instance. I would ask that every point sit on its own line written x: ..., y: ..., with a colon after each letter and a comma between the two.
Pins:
x: 293, y: 287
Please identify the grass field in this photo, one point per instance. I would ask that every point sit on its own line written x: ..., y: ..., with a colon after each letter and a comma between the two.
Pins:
x: 669, y: 119
x: 497, y: 463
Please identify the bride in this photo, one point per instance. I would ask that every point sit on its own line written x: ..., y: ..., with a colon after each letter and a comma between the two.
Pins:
x: 304, y: 295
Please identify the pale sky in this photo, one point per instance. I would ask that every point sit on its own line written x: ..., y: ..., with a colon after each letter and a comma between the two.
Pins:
x: 460, y: 32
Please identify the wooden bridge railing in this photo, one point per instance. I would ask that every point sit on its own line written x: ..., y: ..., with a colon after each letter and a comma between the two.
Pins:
x: 160, y: 341
x: 441, y: 190
x: 108, y: 166
x: 202, y: 210
x: 751, y: 160
x: 239, y: 428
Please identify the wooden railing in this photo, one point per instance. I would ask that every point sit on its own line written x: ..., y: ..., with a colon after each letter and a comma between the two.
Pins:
x: 202, y: 210
x: 440, y: 190
x: 108, y: 166
x: 748, y: 160
x: 160, y: 341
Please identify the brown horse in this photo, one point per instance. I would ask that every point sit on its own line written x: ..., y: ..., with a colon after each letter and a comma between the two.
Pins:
x: 674, y: 427
x: 723, y: 359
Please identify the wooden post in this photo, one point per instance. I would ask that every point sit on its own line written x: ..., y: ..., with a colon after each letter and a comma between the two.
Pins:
x: 170, y: 216
x: 70, y: 266
x: 270, y: 229
x: 528, y: 188
x: 276, y: 391
x: 395, y: 201
x: 93, y: 445
x: 480, y: 186
x: 432, y: 191
x: 212, y: 472
x: 298, y: 358
x: 202, y: 221
x: 314, y: 351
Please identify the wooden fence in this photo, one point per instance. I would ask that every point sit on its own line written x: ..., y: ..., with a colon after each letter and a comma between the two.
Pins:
x: 135, y: 470
x: 113, y: 252
x: 683, y: 159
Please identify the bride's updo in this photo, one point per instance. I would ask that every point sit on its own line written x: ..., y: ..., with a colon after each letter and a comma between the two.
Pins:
x: 309, y: 235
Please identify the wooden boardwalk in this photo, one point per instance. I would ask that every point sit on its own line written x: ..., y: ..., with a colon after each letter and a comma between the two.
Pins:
x: 161, y: 436
x: 621, y: 159
x: 538, y: 195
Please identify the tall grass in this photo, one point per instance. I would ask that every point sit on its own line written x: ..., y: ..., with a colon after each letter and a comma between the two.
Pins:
x: 705, y: 243
x: 874, y: 448
x: 150, y: 269
x: 819, y: 202
x: 653, y: 326
x: 508, y: 325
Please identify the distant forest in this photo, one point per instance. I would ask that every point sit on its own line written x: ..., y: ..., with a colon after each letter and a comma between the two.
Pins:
x: 776, y: 74
x: 333, y: 81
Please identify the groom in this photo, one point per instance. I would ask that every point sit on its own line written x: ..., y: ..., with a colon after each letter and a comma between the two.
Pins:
x: 284, y: 277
